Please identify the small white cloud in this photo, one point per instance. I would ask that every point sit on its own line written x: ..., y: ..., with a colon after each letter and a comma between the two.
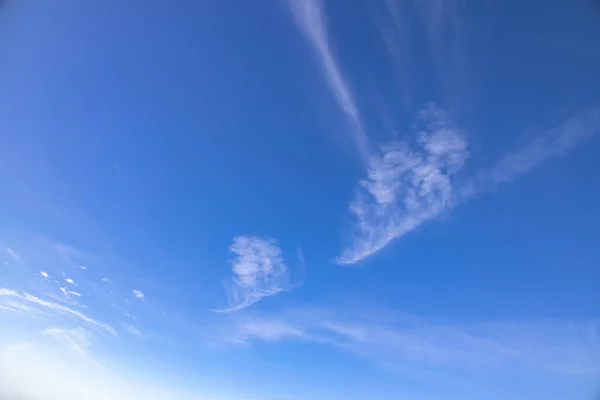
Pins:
x: 64, y: 291
x: 138, y: 294
x: 44, y: 275
x: 106, y: 279
x: 83, y: 267
x: 258, y: 271
x: 12, y: 253
x: 75, y: 293
x: 69, y: 281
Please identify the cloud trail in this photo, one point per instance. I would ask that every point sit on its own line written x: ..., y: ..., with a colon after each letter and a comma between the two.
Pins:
x: 310, y: 18
x: 421, y: 348
x: 557, y: 142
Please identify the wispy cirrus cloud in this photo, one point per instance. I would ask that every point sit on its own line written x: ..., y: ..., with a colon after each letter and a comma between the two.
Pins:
x: 30, y: 300
x: 311, y: 20
x: 556, y: 142
x: 423, y: 33
x: 132, y: 330
x: 415, y: 180
x: 424, y: 349
x: 13, y: 254
x: 259, y: 271
x: 408, y: 185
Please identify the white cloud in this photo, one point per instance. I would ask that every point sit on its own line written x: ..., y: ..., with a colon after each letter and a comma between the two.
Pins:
x: 310, y: 18
x: 83, y: 267
x: 556, y: 142
x: 69, y: 281
x: 44, y: 274
x: 258, y: 271
x: 19, y: 308
x: 407, y: 186
x: 268, y: 329
x: 139, y: 294
x: 55, y: 307
x: 426, y: 349
x: 106, y: 279
x: 12, y: 253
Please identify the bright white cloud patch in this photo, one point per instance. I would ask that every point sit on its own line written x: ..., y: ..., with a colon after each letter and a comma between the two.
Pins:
x: 258, y: 271
x: 44, y: 274
x: 406, y: 185
x: 139, y: 294
x: 69, y: 281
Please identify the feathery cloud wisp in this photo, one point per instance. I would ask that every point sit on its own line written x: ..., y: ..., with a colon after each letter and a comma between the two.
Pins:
x: 259, y: 271
x: 132, y: 330
x: 408, y: 186
x: 13, y: 254
x: 556, y: 142
x: 55, y: 307
x: 311, y: 21
x: 408, y: 344
x: 138, y: 294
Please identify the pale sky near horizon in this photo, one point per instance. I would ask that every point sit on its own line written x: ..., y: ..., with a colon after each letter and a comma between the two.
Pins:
x: 299, y: 199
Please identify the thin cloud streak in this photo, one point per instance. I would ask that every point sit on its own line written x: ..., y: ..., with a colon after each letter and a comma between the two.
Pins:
x: 132, y: 330
x: 557, y: 142
x: 407, y: 186
x: 13, y: 254
x: 258, y: 271
x: 310, y: 18
x: 59, y: 308
x: 398, y: 341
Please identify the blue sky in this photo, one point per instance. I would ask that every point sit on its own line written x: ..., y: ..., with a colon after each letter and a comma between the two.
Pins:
x: 297, y: 199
